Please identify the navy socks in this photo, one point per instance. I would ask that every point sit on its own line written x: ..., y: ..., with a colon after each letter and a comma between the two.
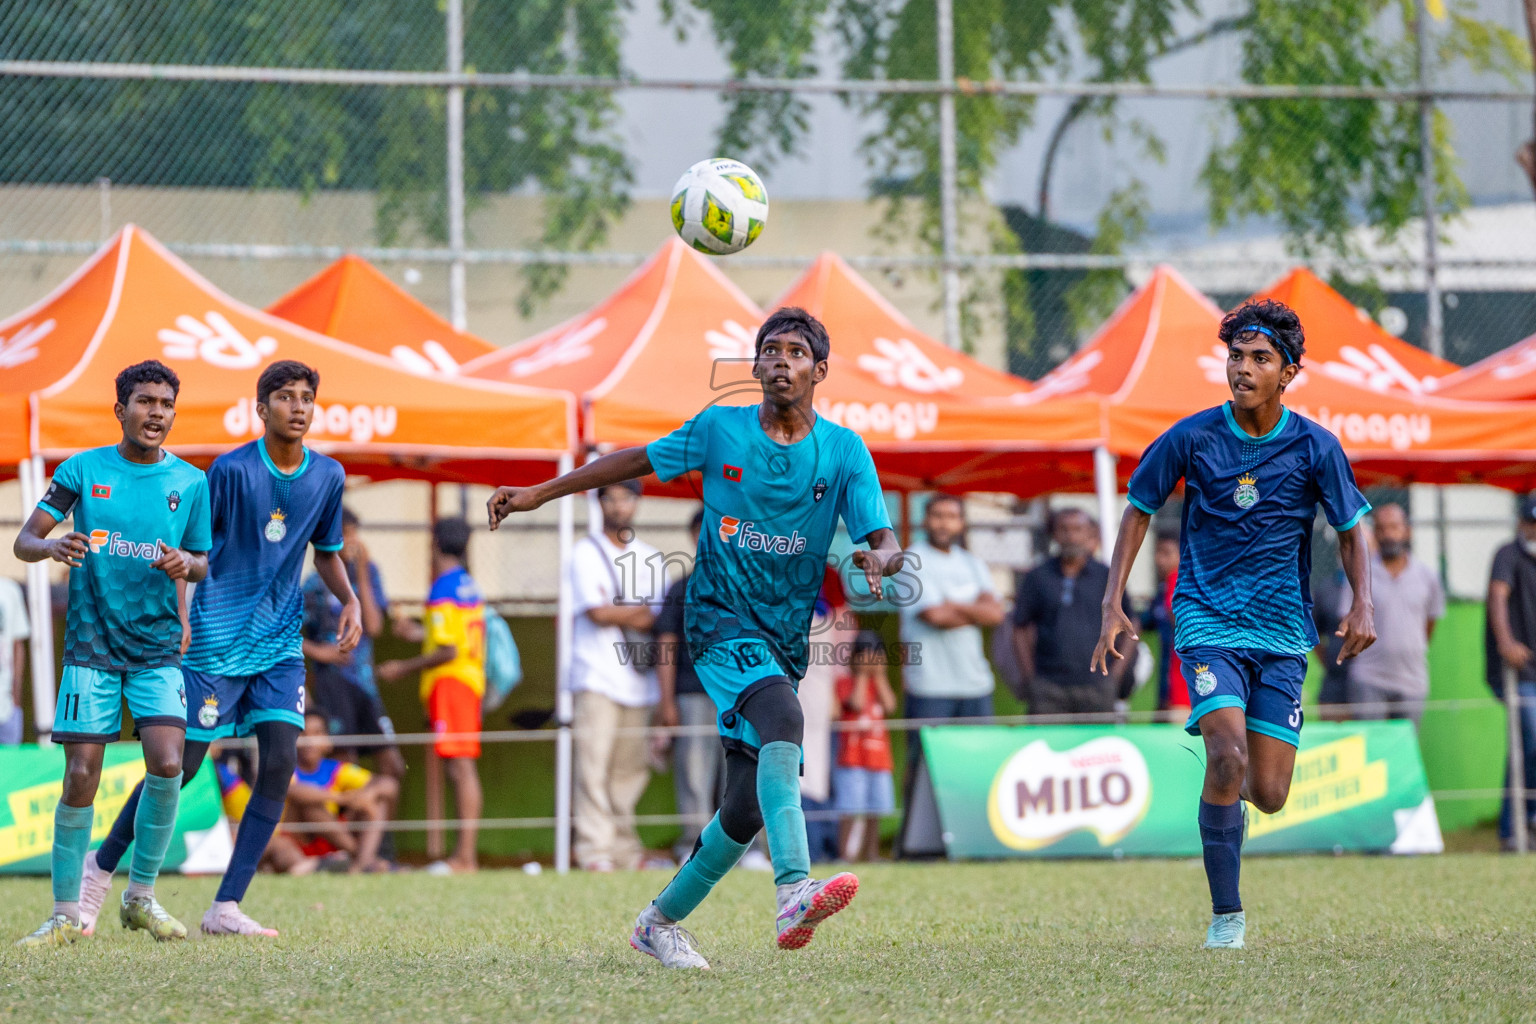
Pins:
x: 256, y: 827
x: 1221, y: 836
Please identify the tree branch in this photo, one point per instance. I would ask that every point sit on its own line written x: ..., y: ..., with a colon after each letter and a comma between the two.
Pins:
x: 1081, y: 104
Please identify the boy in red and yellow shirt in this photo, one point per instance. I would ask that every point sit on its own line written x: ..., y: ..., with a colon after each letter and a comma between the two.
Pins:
x: 452, y: 667
x: 862, y: 787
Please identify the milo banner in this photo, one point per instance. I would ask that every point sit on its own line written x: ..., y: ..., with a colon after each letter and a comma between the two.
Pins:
x: 1113, y: 791
x: 31, y: 780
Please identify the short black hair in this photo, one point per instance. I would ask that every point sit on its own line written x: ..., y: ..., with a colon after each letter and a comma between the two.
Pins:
x: 316, y: 711
x: 868, y: 642
x: 939, y: 499
x: 634, y: 487
x: 150, y: 371
x: 451, y: 537
x: 349, y: 518
x: 1058, y: 514
x: 1275, y: 320
x: 1166, y: 537
x: 794, y: 320
x: 285, y: 371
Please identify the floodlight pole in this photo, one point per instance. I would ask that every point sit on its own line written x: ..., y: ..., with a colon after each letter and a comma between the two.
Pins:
x: 458, y: 311
x: 948, y: 185
x: 1434, y: 325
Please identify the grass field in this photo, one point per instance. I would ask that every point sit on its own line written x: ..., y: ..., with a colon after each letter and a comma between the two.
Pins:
x: 1349, y: 939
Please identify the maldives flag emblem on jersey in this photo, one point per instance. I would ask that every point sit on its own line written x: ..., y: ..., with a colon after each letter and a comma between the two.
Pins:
x: 101, y: 491
x: 733, y: 474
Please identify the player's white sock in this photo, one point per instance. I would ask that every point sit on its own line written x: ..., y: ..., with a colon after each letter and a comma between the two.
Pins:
x: 139, y: 889
x: 69, y: 909
x: 652, y: 917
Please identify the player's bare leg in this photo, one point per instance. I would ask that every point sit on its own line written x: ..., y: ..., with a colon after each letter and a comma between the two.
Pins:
x: 464, y: 773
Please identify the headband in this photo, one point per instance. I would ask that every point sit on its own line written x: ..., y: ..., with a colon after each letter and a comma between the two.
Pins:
x: 1282, y: 347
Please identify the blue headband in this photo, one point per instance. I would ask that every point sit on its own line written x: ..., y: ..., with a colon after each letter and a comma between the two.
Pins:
x: 1282, y: 347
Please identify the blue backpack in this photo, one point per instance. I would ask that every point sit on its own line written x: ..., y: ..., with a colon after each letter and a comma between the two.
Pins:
x: 503, y: 664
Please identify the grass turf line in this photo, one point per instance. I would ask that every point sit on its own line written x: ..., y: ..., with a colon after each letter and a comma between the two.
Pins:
x: 1349, y: 939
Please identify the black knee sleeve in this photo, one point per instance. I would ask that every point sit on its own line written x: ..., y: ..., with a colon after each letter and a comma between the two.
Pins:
x: 740, y: 816
x: 277, y: 754
x: 774, y: 711
x: 192, y: 754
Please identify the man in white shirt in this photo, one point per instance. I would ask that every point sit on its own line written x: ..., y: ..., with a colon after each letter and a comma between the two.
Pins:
x: 1390, y: 679
x: 14, y: 630
x: 947, y: 675
x: 617, y: 585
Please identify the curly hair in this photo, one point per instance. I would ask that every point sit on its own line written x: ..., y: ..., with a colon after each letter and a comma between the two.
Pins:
x: 151, y: 371
x: 793, y: 319
x: 1275, y: 320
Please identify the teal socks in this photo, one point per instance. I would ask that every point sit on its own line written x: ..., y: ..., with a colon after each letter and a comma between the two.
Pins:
x: 778, y: 794
x: 716, y: 854
x: 153, y: 825
x: 71, y: 842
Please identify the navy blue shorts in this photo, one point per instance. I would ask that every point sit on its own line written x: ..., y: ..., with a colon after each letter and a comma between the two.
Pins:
x: 220, y: 706
x: 1265, y: 685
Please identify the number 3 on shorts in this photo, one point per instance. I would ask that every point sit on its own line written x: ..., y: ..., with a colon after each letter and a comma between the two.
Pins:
x: 1294, y: 721
x: 301, y: 702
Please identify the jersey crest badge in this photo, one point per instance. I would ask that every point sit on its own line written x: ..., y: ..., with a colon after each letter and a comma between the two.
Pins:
x: 173, y: 500
x: 733, y: 474
x: 1247, y: 492
x: 276, y: 529
x: 1205, y: 680
x: 208, y: 714
x: 101, y: 491
x: 819, y: 489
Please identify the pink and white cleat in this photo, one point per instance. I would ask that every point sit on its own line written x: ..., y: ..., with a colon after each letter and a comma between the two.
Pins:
x: 95, y: 885
x: 229, y: 919
x: 805, y: 904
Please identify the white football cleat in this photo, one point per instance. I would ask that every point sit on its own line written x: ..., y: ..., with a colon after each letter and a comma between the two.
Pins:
x: 672, y: 944
x: 229, y: 919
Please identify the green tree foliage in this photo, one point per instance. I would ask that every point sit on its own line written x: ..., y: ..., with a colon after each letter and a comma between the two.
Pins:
x: 386, y: 140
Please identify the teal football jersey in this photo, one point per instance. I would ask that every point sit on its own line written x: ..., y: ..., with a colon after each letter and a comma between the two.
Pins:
x: 770, y: 514
x: 122, y: 613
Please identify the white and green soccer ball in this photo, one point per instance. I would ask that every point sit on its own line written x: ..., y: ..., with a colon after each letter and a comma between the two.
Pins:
x: 719, y: 206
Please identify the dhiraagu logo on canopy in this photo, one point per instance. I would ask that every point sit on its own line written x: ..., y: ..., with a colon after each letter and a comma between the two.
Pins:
x: 1040, y: 796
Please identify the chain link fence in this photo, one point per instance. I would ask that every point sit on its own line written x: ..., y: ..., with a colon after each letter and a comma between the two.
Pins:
x: 509, y: 160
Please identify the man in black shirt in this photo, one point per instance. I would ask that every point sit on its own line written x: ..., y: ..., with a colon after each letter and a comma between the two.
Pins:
x: 698, y: 762
x: 1510, y: 638
x: 1056, y: 622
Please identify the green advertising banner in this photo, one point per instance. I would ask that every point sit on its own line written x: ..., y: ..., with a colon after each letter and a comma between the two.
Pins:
x: 31, y: 780
x: 1132, y: 791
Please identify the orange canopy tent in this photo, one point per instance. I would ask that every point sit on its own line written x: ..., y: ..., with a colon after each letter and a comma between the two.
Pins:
x: 136, y: 301
x: 679, y: 336
x: 356, y: 302
x: 1508, y: 375
x: 1157, y: 359
x: 1351, y: 346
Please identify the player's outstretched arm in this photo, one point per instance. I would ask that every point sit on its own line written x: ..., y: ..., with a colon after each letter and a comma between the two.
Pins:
x: 1359, y: 627
x: 883, y: 558
x: 1133, y: 530
x: 625, y: 464
x: 33, y: 545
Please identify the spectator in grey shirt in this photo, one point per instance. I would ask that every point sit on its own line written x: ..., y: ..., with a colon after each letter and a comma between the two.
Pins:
x: 1390, y: 679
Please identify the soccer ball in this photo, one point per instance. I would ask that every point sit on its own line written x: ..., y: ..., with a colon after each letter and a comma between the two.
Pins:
x: 719, y: 206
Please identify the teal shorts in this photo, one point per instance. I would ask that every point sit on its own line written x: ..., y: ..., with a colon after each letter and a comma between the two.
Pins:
x: 91, y: 700
x: 731, y: 672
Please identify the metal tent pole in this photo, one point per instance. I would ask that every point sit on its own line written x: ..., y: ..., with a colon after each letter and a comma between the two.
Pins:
x: 1516, y: 761
x: 564, y: 764
x: 1105, y: 483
